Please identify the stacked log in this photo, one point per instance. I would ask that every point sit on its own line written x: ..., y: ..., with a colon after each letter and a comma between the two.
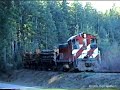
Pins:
x: 43, y: 60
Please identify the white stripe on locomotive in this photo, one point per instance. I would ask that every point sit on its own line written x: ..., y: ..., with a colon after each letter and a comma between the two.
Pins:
x: 84, y: 53
x: 74, y: 51
x: 95, y: 53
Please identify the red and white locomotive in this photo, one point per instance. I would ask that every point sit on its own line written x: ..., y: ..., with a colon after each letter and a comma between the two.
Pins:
x: 80, y: 52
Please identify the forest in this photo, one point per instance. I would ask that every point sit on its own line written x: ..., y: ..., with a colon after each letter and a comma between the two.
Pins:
x: 26, y: 25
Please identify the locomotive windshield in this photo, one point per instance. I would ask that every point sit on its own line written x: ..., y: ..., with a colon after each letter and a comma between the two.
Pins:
x: 93, y: 43
x: 75, y: 44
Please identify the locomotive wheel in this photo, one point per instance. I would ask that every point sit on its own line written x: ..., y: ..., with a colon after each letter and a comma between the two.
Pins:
x: 66, y: 67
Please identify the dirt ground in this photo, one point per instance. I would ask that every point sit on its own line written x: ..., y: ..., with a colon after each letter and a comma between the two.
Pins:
x: 48, y: 79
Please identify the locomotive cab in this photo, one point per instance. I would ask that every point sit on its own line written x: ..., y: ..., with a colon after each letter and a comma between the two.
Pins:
x: 81, y: 50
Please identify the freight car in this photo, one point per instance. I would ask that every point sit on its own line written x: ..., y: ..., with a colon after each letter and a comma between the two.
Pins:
x: 80, y: 52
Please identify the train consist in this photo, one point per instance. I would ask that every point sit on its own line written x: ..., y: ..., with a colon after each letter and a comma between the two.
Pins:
x: 80, y: 52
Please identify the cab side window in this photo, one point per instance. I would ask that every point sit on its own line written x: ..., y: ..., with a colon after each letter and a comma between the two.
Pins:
x: 93, y: 43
